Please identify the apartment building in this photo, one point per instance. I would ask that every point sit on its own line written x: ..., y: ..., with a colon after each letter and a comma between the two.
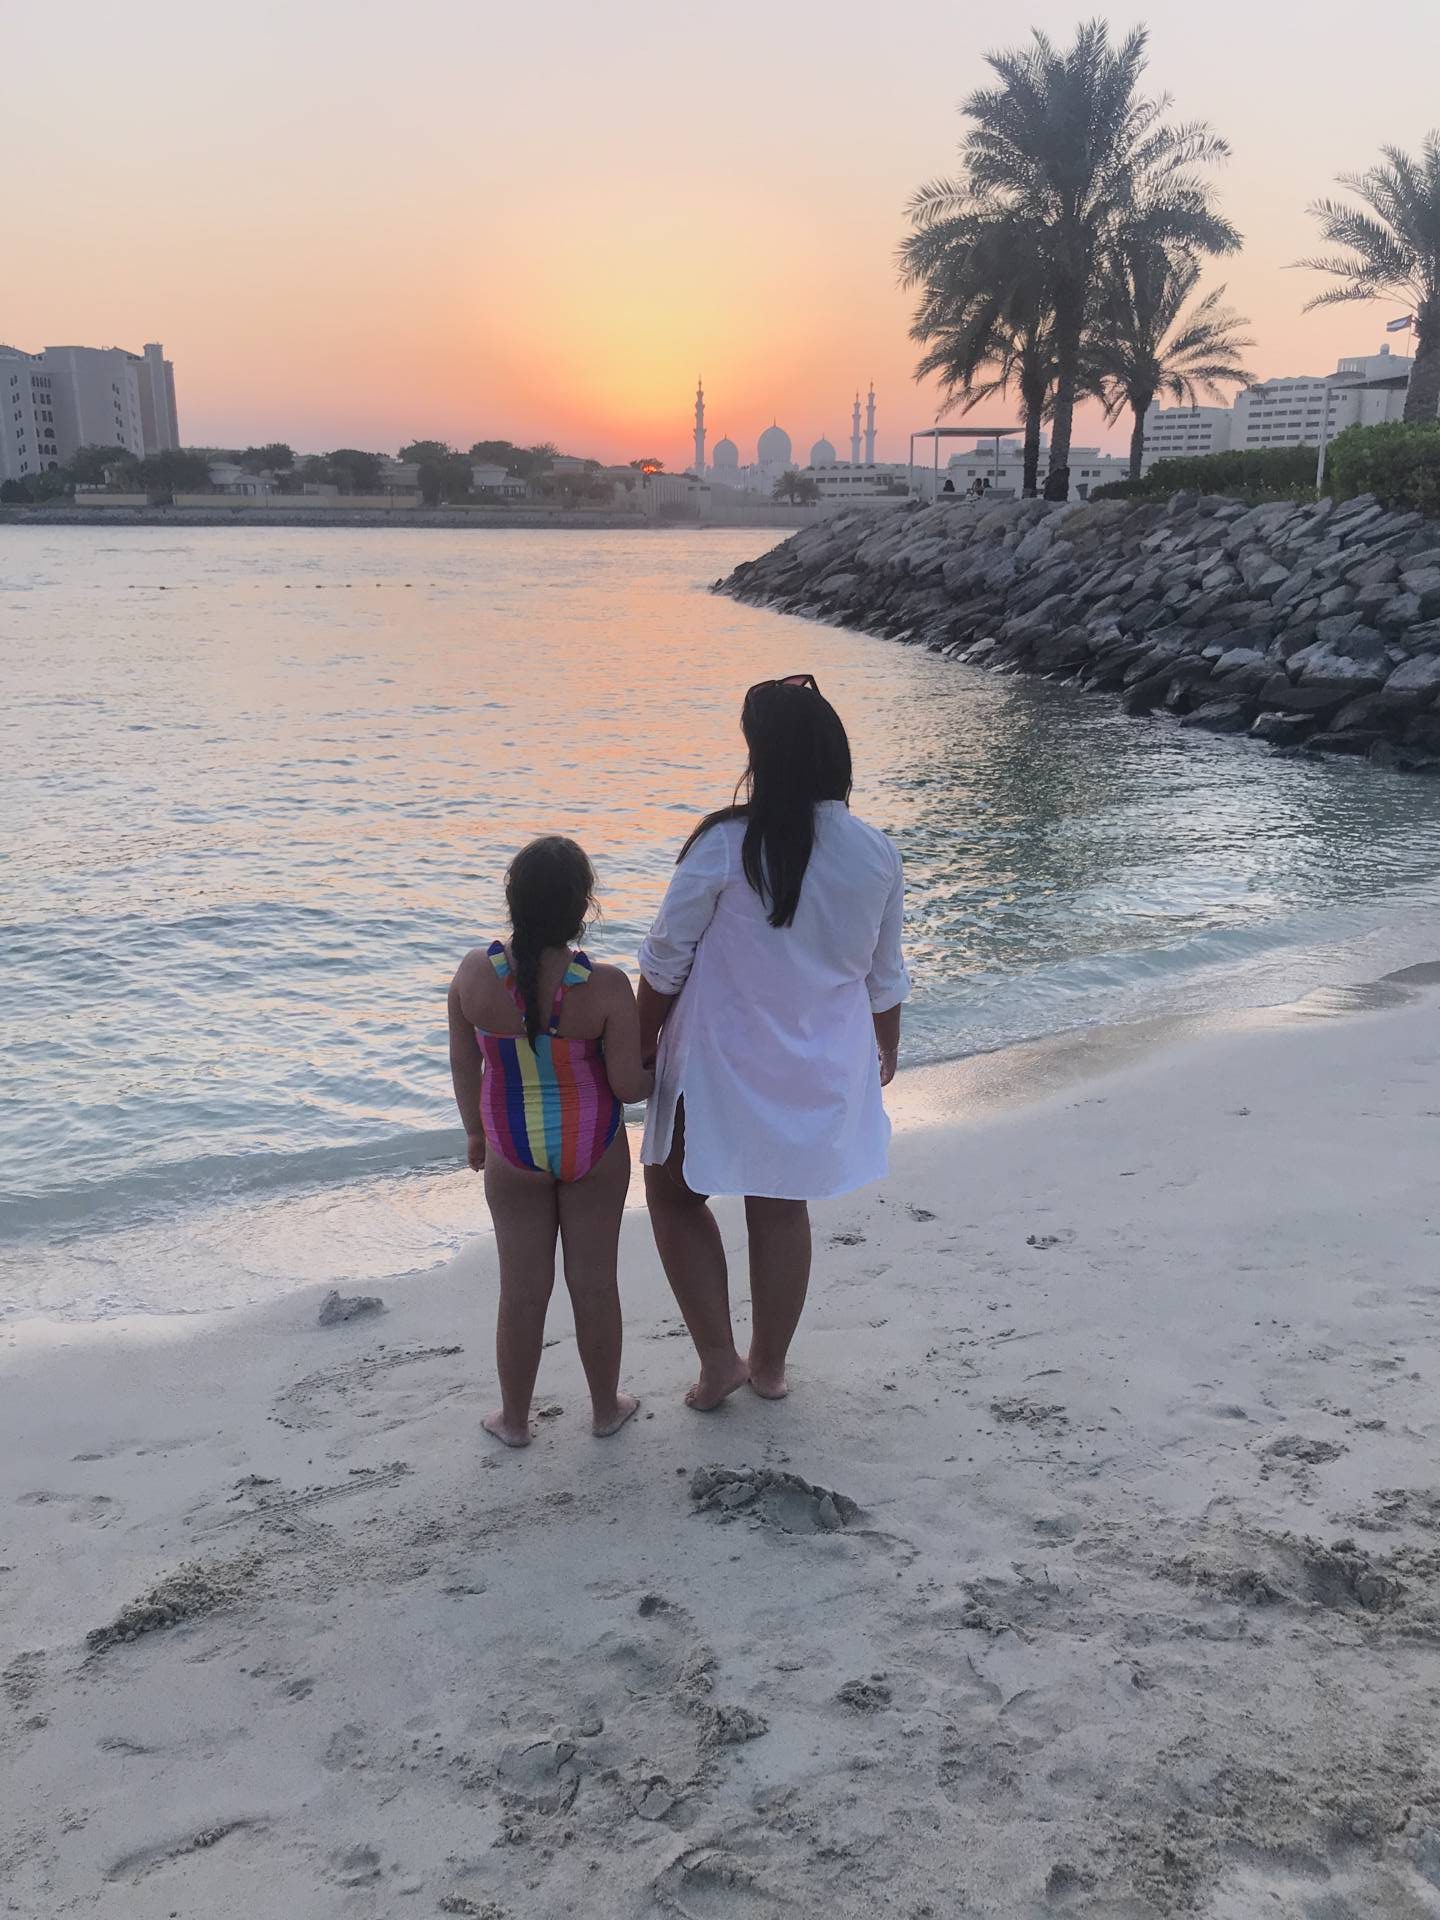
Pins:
x: 65, y: 398
x: 1293, y: 411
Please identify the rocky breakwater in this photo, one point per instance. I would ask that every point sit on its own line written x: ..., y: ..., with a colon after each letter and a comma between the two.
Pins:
x: 1314, y: 628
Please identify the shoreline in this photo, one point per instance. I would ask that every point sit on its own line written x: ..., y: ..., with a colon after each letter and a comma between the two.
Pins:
x: 1133, y: 1386
x: 962, y: 1090
x: 488, y: 520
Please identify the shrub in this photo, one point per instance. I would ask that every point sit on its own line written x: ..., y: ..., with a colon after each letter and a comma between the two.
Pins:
x: 1266, y: 473
x: 1399, y: 464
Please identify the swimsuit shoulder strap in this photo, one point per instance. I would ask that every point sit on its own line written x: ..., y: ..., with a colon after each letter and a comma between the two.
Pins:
x: 504, y: 972
x: 576, y: 974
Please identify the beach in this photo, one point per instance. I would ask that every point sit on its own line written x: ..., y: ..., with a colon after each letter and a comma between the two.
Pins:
x: 1093, y: 1565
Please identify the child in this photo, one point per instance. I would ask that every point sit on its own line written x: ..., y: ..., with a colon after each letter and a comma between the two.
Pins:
x: 544, y: 1047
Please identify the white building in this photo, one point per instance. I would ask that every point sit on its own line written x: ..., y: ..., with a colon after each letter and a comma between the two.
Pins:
x: 1005, y: 471
x: 1183, y: 433
x: 65, y: 398
x: 1364, y: 390
x: 842, y: 480
x: 496, y: 482
x: 29, y: 428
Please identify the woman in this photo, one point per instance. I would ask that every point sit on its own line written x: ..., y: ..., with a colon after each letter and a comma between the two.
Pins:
x: 782, y: 925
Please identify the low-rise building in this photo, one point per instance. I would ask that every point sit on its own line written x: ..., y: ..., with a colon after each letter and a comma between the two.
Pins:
x: 496, y: 482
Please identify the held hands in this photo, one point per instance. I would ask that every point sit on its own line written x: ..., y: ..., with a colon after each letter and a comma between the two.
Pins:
x: 475, y: 1151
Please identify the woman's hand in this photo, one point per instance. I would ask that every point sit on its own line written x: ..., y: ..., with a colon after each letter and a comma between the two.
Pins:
x: 475, y: 1151
x: 889, y: 1059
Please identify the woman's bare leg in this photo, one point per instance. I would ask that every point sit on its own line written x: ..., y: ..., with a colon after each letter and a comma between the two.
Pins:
x: 590, y: 1214
x: 524, y: 1209
x: 779, y: 1279
x: 692, y: 1253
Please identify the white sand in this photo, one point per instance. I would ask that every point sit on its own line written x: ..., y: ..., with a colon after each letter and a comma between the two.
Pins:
x: 1100, y: 1372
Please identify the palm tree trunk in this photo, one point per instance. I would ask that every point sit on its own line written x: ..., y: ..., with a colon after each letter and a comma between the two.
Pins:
x: 1069, y: 325
x: 1139, y: 406
x: 1031, y: 483
x: 1422, y: 397
x: 1032, y: 401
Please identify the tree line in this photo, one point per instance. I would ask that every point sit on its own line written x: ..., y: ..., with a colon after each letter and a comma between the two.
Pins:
x: 1062, y: 261
x: 443, y: 471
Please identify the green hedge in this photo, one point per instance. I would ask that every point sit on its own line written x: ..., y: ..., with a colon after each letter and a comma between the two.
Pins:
x: 1399, y: 464
x: 1267, y: 473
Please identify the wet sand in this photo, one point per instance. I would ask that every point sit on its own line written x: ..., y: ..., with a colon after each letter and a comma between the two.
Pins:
x: 1092, y: 1567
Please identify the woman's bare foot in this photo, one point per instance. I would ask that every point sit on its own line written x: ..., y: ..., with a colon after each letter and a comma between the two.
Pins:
x: 711, y: 1389
x: 625, y: 1405
x: 496, y: 1424
x: 770, y: 1385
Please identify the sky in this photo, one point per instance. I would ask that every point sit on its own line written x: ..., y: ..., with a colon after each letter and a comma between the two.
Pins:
x: 357, y: 224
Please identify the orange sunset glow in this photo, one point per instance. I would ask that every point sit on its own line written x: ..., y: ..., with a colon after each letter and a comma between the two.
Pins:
x: 352, y: 224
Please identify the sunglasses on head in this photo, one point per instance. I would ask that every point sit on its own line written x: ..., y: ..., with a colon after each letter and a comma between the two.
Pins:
x: 789, y: 680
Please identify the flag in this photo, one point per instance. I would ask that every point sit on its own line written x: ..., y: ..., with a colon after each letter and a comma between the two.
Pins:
x: 1402, y: 325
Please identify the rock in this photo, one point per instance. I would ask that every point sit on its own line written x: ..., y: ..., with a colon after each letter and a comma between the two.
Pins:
x: 336, y: 1308
x: 1222, y: 716
x: 1424, y: 583
x: 1359, y: 741
x: 1279, y: 693
x: 1415, y: 682
x: 1399, y: 614
x: 1283, y: 729
x: 1239, y: 657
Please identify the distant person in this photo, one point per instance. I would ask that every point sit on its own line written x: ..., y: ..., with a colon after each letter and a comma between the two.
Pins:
x: 949, y: 486
x: 977, y: 489
x: 1057, y: 484
x: 985, y: 485
x: 773, y: 979
x: 544, y: 1047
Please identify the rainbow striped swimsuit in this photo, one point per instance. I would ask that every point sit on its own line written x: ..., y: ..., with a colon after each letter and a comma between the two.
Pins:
x: 549, y: 1108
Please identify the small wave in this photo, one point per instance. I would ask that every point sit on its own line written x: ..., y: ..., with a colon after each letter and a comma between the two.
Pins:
x: 156, y: 1193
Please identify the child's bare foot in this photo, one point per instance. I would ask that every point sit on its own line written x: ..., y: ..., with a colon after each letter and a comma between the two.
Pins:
x: 496, y: 1424
x: 769, y: 1383
x: 625, y: 1405
x: 711, y: 1389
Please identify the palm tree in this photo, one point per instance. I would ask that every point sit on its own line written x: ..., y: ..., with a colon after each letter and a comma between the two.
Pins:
x: 1067, y: 142
x: 1144, y: 345
x: 984, y: 316
x: 1394, y: 253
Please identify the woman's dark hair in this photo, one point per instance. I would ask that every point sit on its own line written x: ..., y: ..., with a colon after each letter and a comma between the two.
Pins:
x: 799, y: 756
x: 550, y: 891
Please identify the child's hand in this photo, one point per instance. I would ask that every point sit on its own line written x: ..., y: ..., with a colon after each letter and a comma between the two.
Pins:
x: 475, y: 1151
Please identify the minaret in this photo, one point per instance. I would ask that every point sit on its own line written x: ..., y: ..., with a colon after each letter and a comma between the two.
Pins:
x: 699, y: 427
x: 855, y: 432
x: 869, y: 426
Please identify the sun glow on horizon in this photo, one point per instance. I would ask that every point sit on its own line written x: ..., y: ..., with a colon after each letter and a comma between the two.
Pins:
x: 642, y: 192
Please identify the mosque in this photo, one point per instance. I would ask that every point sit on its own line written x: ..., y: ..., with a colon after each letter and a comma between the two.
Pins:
x: 775, y: 455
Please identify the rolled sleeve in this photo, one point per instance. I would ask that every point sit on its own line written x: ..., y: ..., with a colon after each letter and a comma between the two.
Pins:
x: 668, y: 951
x: 888, y: 982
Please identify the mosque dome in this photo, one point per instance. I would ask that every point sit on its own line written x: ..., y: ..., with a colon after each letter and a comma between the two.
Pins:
x: 774, y: 447
x: 822, y: 454
x: 725, y: 453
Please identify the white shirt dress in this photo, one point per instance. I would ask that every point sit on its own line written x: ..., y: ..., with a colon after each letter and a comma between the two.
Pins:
x: 771, y: 1042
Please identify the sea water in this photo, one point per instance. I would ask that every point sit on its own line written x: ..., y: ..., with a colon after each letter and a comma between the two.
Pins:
x: 257, y: 792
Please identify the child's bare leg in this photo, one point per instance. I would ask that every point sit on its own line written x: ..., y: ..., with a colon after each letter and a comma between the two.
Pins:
x: 779, y: 1279
x: 523, y: 1207
x: 692, y: 1253
x: 590, y: 1214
